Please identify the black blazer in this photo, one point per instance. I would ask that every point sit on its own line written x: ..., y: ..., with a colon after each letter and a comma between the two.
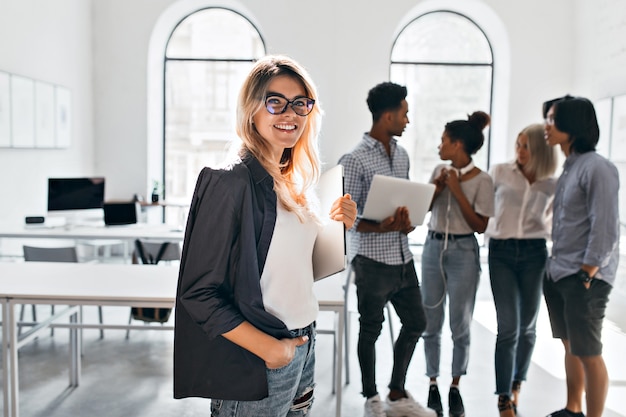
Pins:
x: 229, y: 229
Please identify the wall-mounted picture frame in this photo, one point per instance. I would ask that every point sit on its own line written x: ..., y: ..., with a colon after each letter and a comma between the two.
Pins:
x: 63, y: 117
x: 5, y: 110
x: 22, y: 112
x: 44, y: 115
x: 33, y: 113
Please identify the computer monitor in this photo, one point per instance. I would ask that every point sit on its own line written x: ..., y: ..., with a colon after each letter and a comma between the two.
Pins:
x: 76, y: 198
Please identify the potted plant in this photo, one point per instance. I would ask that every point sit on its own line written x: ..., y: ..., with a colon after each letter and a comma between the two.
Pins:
x: 156, y: 191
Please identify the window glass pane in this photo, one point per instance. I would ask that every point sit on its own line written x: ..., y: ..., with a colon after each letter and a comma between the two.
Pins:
x: 442, y: 37
x: 201, y: 100
x: 436, y: 96
x: 445, y: 62
x: 207, y: 58
x: 215, y: 34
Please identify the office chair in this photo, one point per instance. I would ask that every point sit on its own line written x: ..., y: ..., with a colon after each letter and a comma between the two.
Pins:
x: 150, y: 252
x: 51, y: 254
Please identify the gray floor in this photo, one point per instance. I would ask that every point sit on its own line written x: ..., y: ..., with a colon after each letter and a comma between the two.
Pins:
x: 133, y: 377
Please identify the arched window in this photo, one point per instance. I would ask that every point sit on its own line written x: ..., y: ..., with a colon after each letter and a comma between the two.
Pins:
x: 446, y: 62
x: 207, y: 57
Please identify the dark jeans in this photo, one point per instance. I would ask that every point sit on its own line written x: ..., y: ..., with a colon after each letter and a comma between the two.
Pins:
x: 517, y: 268
x: 376, y: 284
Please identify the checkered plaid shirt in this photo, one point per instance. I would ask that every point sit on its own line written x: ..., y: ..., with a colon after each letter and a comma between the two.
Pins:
x: 367, y: 159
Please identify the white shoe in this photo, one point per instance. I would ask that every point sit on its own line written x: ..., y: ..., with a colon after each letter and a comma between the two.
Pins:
x: 374, y: 407
x: 408, y: 407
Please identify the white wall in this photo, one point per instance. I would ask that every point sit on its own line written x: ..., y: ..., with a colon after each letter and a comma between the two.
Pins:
x: 601, y: 41
x: 347, y: 53
x: 48, y: 41
x: 99, y: 49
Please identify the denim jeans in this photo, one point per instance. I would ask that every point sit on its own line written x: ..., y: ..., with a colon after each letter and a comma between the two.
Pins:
x: 516, y: 268
x: 451, y: 272
x: 376, y: 284
x: 290, y: 390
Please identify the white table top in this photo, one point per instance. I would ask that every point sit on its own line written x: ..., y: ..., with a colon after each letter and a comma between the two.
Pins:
x: 133, y: 231
x: 84, y: 282
x: 113, y: 283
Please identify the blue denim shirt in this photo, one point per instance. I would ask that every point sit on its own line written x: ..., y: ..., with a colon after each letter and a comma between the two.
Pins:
x: 585, y: 227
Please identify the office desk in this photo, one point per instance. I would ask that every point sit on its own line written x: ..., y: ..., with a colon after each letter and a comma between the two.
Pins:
x: 102, y: 284
x: 126, y: 234
x: 129, y: 232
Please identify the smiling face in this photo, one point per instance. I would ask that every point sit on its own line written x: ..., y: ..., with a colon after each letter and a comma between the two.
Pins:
x: 283, y: 130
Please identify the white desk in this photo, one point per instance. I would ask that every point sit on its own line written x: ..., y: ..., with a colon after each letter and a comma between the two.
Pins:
x: 129, y: 232
x: 103, y: 284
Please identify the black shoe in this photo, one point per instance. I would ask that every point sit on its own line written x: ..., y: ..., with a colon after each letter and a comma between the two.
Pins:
x: 434, y: 400
x: 455, y: 403
x: 565, y: 413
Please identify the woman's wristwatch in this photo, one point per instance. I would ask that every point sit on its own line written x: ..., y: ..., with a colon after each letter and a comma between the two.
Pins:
x: 583, y: 276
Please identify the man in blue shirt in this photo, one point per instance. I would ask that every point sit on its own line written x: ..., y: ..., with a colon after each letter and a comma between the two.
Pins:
x: 585, y: 253
x: 383, y: 265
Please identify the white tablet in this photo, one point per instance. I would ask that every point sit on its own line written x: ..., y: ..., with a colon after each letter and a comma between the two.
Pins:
x: 386, y: 194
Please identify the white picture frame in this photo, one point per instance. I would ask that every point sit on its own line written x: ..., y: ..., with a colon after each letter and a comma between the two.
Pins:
x: 22, y: 112
x: 44, y: 115
x: 63, y: 117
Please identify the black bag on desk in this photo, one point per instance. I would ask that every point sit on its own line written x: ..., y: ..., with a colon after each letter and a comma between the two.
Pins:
x: 149, y: 314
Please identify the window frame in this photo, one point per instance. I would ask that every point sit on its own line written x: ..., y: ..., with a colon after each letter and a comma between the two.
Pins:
x: 492, y: 65
x: 167, y: 59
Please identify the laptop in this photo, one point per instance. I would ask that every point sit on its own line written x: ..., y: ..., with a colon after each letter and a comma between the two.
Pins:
x: 386, y: 194
x: 121, y: 213
x: 329, y: 252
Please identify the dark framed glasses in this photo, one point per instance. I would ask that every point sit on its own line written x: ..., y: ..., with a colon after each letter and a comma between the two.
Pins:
x: 277, y: 104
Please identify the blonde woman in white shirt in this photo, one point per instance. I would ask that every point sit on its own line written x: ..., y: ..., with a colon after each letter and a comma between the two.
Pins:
x: 524, y: 191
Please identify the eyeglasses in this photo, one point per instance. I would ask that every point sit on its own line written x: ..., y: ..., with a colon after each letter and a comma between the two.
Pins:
x: 277, y: 104
x: 549, y: 121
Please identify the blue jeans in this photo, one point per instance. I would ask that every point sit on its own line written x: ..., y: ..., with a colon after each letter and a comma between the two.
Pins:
x: 453, y: 272
x: 376, y: 284
x: 516, y: 268
x: 290, y: 390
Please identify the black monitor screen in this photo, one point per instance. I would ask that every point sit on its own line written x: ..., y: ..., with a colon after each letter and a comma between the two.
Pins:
x: 75, y: 193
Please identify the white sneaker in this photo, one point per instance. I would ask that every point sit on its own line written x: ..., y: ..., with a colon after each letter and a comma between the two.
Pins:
x: 408, y: 407
x: 374, y: 407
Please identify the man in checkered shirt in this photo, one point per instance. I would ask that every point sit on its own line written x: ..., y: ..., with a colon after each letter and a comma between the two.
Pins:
x: 380, y: 255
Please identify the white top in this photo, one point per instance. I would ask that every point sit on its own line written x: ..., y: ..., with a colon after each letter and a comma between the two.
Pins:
x: 287, y: 279
x: 523, y: 210
x: 446, y: 212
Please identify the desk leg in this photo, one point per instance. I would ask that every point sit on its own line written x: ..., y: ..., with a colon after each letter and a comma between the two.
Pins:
x: 6, y: 387
x: 339, y: 360
x: 12, y: 364
x: 75, y: 350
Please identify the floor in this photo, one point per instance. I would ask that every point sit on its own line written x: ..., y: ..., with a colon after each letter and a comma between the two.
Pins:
x: 133, y: 377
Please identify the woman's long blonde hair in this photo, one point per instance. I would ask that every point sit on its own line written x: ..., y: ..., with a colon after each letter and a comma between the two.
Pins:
x: 543, y: 159
x: 299, y: 168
